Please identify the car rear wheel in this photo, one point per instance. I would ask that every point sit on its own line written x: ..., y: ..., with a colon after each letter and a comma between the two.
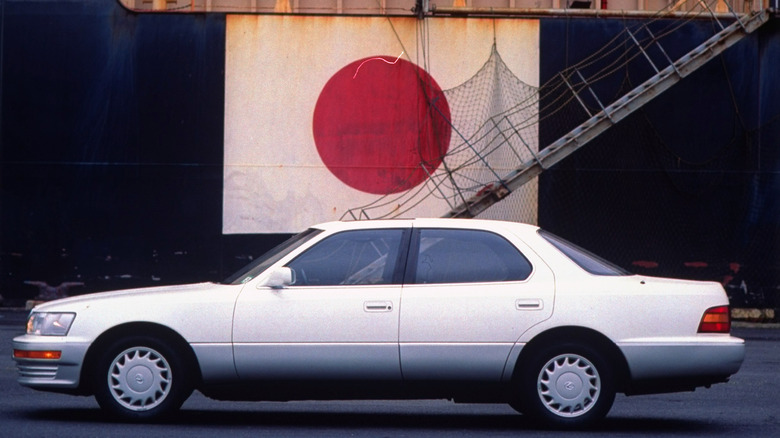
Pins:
x: 141, y: 378
x: 566, y: 386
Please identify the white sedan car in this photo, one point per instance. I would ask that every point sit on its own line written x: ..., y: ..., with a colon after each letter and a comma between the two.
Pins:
x: 468, y: 310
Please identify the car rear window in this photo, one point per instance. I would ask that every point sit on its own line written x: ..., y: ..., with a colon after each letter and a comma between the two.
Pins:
x: 582, y: 257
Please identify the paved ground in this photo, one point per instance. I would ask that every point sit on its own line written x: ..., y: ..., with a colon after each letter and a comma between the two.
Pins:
x: 745, y: 406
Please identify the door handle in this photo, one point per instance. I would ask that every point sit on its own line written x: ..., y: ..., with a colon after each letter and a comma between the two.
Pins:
x: 378, y: 306
x: 529, y: 304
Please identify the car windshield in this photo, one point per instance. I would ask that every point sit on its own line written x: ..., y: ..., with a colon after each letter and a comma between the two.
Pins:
x: 582, y: 257
x: 262, y: 263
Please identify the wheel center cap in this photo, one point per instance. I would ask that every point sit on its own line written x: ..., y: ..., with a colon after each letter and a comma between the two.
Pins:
x: 139, y: 378
x: 569, y: 385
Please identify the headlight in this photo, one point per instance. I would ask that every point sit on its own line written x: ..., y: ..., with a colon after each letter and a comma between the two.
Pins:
x: 49, y: 324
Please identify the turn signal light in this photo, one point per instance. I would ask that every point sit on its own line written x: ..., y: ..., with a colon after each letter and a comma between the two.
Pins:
x: 716, y: 320
x: 46, y: 354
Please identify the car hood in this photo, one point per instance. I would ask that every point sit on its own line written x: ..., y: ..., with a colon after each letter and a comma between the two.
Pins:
x: 142, y: 293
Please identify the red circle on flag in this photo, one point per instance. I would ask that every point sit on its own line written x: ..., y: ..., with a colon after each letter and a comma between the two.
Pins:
x: 382, y: 125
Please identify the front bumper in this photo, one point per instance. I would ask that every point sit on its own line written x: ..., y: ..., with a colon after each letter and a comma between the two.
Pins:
x: 60, y: 375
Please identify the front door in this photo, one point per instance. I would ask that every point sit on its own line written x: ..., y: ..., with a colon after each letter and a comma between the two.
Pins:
x: 338, y: 321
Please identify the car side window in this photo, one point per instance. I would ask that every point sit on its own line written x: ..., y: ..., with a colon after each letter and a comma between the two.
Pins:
x: 467, y: 256
x: 350, y: 258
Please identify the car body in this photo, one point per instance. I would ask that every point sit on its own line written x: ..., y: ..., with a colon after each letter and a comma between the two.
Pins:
x: 469, y: 310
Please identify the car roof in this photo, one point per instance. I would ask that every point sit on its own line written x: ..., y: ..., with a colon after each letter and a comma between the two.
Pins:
x: 481, y: 224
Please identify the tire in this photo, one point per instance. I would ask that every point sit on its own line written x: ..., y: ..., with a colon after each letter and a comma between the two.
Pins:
x: 141, y: 378
x: 566, y: 386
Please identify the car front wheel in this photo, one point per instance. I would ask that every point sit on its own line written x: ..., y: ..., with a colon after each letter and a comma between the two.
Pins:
x: 567, y: 386
x: 140, y: 379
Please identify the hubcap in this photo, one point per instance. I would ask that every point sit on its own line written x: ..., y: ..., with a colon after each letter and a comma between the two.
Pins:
x: 569, y: 385
x: 139, y: 378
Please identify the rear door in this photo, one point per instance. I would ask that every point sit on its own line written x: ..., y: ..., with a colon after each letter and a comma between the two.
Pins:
x: 468, y: 296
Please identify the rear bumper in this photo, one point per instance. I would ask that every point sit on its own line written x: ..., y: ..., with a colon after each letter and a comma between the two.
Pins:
x: 683, y: 365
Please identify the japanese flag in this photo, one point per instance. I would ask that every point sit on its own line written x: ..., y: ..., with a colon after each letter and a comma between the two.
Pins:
x: 326, y: 114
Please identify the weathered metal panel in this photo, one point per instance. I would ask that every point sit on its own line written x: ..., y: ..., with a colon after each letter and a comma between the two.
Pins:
x: 111, y: 146
x: 113, y: 126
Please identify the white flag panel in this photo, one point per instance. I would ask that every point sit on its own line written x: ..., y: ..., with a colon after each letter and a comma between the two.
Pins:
x: 276, y: 68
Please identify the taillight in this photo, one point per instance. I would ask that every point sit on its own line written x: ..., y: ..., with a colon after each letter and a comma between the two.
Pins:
x: 716, y: 320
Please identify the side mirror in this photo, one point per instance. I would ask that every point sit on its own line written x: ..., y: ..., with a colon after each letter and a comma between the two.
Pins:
x: 279, y: 278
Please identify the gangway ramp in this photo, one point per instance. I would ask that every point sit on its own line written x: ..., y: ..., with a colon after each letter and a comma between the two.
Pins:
x: 611, y: 114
